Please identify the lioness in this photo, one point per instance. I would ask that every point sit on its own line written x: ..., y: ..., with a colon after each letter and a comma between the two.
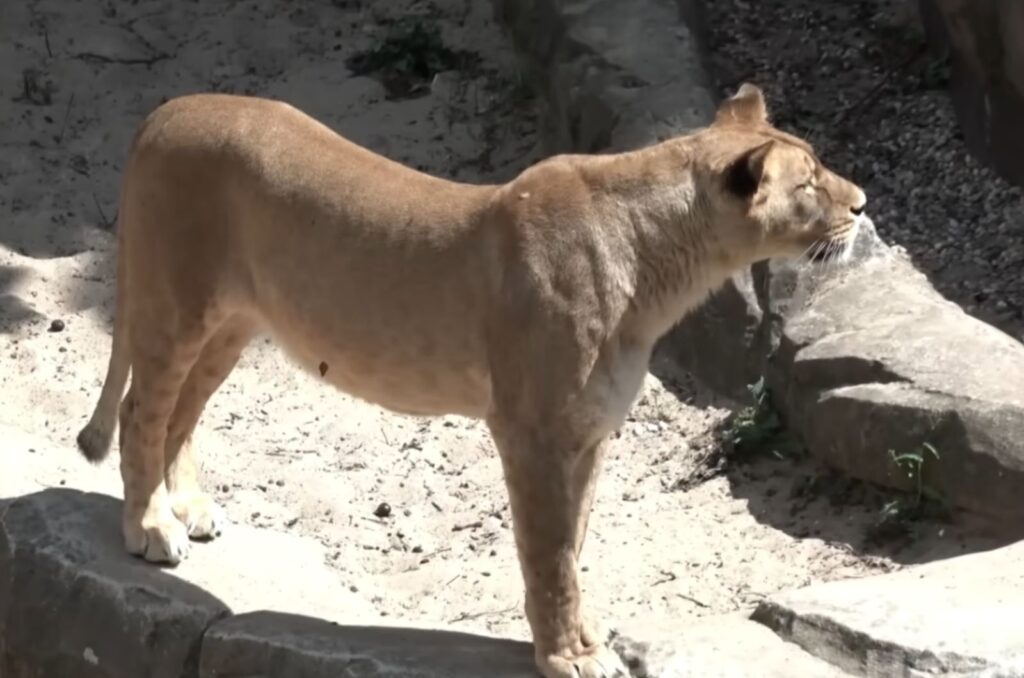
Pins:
x: 533, y: 305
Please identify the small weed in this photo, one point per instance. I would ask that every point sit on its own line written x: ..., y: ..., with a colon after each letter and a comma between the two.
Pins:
x: 758, y: 429
x: 936, y: 74
x: 410, y: 55
x: 899, y: 518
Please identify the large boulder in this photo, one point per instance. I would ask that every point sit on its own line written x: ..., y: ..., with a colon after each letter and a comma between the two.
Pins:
x: 958, y: 617
x: 74, y: 604
x: 986, y: 43
x: 873, y: 362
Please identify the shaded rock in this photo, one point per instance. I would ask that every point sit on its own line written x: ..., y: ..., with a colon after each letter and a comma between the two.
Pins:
x: 986, y: 43
x: 939, y: 619
x: 718, y: 647
x: 266, y: 644
x: 725, y: 342
x: 873, y: 359
x: 73, y: 604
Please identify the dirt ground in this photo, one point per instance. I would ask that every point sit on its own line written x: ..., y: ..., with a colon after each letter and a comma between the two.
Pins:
x: 284, y: 453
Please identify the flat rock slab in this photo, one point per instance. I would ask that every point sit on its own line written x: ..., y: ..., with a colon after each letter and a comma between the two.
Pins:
x: 270, y: 644
x: 958, y: 617
x: 729, y: 646
x: 73, y: 604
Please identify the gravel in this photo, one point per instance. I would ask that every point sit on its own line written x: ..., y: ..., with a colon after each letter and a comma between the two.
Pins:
x: 855, y: 78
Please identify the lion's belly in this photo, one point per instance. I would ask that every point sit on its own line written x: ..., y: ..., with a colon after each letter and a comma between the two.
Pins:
x: 403, y: 362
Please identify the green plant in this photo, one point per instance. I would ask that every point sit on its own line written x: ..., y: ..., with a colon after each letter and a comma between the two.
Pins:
x: 410, y: 54
x: 759, y: 429
x: 912, y: 463
x: 899, y: 516
x: 936, y: 74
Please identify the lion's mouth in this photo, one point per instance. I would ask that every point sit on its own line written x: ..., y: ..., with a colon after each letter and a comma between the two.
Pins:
x: 829, y: 250
x: 836, y: 246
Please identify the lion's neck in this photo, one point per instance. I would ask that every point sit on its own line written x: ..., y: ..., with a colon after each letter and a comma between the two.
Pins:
x: 680, y: 254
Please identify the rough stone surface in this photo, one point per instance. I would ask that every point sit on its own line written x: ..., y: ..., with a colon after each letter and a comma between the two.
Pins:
x: 718, y: 647
x: 986, y: 43
x: 264, y: 644
x: 865, y: 367
x: 959, y: 617
x: 73, y: 604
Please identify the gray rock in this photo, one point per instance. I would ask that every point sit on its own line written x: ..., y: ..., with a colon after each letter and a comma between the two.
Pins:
x: 940, y: 619
x: 725, y: 342
x: 73, y: 604
x: 872, y: 359
x: 272, y: 645
x: 718, y: 647
x: 986, y: 42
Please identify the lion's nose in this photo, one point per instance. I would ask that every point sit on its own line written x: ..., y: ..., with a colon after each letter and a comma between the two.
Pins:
x: 858, y: 209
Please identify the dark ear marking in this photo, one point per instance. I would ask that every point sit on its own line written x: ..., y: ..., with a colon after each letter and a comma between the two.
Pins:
x: 744, y: 174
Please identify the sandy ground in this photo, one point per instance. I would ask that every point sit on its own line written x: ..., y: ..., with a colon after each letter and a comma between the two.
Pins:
x: 286, y: 454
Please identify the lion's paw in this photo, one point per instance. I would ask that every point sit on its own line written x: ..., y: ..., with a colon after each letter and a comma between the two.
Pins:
x: 202, y: 517
x: 593, y: 632
x: 159, y: 540
x: 597, y: 661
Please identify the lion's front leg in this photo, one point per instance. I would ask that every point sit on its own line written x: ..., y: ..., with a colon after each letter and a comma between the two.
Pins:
x: 550, y: 492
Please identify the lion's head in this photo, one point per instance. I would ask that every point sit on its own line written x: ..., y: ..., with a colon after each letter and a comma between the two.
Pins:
x: 779, y: 195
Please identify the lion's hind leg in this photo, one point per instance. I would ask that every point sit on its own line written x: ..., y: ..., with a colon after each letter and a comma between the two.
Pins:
x: 164, y: 349
x: 202, y: 517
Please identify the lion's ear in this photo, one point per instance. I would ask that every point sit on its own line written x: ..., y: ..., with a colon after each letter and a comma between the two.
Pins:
x: 743, y: 176
x: 746, y: 107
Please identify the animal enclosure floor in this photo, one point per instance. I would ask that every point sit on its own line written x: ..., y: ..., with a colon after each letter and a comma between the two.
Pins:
x: 284, y: 453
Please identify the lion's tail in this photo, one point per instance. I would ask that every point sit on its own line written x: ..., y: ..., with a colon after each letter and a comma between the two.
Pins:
x: 94, y: 440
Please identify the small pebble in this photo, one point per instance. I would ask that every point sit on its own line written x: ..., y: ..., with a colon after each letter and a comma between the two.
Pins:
x: 383, y: 510
x: 57, y: 325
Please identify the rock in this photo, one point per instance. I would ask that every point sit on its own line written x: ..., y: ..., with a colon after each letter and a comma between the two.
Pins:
x: 986, y: 43
x: 611, y: 76
x: 725, y: 342
x: 939, y: 619
x: 264, y: 644
x: 717, y: 647
x: 873, y: 359
x: 74, y: 604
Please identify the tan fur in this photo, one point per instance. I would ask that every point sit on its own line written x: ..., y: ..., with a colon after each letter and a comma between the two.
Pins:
x: 533, y: 305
